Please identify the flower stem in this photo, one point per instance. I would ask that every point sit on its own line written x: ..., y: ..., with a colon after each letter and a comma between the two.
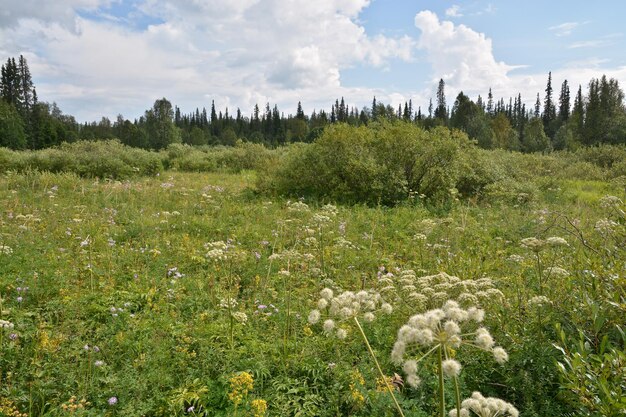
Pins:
x: 380, y: 371
x: 442, y: 408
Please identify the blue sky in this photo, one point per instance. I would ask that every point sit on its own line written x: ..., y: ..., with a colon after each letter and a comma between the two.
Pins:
x: 104, y: 57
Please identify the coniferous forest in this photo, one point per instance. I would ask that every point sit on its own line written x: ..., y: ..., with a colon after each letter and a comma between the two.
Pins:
x: 563, y: 117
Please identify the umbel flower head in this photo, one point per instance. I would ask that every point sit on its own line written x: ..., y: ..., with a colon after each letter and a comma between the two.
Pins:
x: 429, y: 291
x: 347, y: 305
x: 447, y: 329
x: 485, y: 407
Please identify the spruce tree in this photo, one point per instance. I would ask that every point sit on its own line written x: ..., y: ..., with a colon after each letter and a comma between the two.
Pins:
x: 441, y: 112
x: 564, y: 102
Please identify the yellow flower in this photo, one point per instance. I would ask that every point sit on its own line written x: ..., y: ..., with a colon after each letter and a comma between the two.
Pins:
x: 259, y: 407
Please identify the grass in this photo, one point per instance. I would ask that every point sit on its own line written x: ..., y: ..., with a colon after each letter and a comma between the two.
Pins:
x: 122, y: 266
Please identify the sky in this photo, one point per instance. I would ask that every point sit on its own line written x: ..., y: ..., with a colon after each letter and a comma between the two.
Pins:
x: 98, y: 58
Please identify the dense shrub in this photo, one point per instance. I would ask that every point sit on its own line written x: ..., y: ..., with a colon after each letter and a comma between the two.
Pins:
x: 382, y: 163
x: 103, y: 159
x: 243, y: 156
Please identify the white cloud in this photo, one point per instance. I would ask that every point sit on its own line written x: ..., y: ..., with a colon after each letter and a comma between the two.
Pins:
x: 564, y: 29
x: 454, y: 11
x: 464, y: 59
x: 461, y: 56
x: 238, y: 52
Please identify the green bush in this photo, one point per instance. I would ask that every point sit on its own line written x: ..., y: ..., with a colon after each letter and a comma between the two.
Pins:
x: 103, y: 159
x: 378, y: 164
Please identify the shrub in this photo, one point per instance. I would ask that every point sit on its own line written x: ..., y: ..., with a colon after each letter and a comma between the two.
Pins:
x: 382, y: 163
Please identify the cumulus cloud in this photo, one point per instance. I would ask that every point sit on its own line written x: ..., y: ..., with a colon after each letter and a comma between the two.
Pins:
x: 461, y: 56
x: 238, y: 52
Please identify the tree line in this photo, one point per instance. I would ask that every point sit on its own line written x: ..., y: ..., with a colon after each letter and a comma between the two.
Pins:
x: 553, y: 123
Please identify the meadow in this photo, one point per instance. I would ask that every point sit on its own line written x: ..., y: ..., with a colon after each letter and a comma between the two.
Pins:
x: 187, y: 283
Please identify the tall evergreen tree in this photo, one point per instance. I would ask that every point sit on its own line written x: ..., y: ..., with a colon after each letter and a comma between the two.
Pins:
x: 441, y: 112
x: 564, y: 102
x: 549, y: 109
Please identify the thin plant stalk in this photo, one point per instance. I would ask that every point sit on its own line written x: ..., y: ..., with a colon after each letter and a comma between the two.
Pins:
x: 380, y: 371
x: 442, y: 403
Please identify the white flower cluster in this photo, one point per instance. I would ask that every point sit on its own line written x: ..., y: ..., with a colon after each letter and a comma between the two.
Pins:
x: 348, y: 304
x: 441, y: 328
x: 221, y: 251
x: 426, y: 291
x: 298, y: 206
x: 216, y: 250
x: 6, y: 325
x: 240, y: 317
x: 610, y: 201
x: 605, y: 226
x: 228, y: 302
x: 485, y: 407
x: 536, y: 244
x: 5, y: 250
x: 539, y: 301
x: 556, y: 271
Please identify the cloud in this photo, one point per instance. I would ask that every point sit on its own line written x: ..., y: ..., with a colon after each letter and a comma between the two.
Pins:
x: 236, y: 52
x: 590, y: 44
x: 461, y: 56
x: 57, y: 11
x: 565, y: 29
x: 454, y: 11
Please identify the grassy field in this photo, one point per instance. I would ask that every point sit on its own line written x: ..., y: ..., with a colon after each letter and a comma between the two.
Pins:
x: 189, y: 294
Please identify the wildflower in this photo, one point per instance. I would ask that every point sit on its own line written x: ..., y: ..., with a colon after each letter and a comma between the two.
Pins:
x: 539, y: 300
x: 532, y: 243
x: 112, y: 401
x: 259, y: 407
x: 326, y: 294
x: 6, y: 250
x: 329, y: 325
x: 451, y: 367
x: 386, y: 308
x: 413, y: 380
x: 605, y: 226
x: 515, y: 258
x: 410, y: 367
x: 314, y: 316
x: 369, y: 317
x: 240, y: 317
x: 500, y: 355
x: 341, y: 334
x: 483, y: 339
x: 485, y: 407
x: 556, y: 271
x: 322, y: 303
x: 6, y: 324
x: 556, y: 241
x: 98, y: 363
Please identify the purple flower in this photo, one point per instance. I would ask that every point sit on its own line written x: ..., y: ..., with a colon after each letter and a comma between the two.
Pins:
x: 191, y: 409
x: 112, y: 400
x: 20, y: 299
x: 257, y: 255
x: 13, y: 336
x: 262, y: 307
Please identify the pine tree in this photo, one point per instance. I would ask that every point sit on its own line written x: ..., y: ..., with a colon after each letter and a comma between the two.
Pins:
x: 490, y: 103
